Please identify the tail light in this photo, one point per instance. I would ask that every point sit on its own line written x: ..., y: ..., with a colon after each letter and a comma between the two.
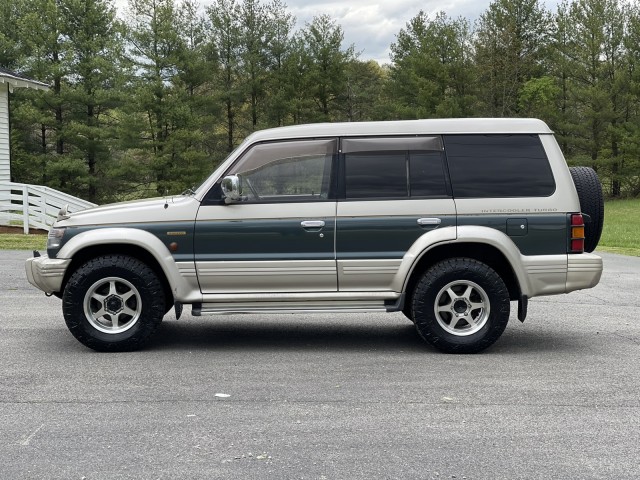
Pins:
x: 576, y: 233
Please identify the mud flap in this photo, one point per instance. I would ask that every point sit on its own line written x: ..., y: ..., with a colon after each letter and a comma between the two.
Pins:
x: 523, y: 303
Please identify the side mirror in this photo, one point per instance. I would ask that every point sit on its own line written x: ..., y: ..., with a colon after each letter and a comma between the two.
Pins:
x: 231, y: 188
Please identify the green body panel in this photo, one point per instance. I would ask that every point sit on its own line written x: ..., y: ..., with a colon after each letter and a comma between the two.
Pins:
x: 263, y: 240
x: 386, y: 237
x: 542, y: 235
x: 180, y: 233
x: 378, y: 238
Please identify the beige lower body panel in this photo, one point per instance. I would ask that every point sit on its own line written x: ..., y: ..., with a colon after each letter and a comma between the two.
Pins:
x: 270, y: 276
x: 367, y: 275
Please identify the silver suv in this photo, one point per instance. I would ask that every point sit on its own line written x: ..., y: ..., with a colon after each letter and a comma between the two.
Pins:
x: 447, y: 221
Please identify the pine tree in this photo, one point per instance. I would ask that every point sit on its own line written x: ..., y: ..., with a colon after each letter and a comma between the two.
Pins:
x: 512, y: 39
x: 226, y: 38
x: 432, y: 72
x: 280, y: 49
x: 11, y: 48
x: 39, y: 118
x: 95, y: 82
x: 154, y: 47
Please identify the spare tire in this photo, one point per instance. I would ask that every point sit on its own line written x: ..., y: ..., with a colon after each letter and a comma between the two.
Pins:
x: 591, y: 203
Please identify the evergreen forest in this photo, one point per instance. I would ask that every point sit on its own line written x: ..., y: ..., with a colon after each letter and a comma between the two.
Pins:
x: 149, y: 99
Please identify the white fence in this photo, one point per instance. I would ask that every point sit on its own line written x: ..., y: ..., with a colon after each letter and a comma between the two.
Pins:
x: 34, y: 206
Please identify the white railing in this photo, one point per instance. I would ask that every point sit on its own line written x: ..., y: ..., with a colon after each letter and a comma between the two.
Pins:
x: 34, y: 206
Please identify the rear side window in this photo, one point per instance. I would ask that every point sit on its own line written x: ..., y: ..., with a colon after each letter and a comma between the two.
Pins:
x: 498, y: 166
x: 374, y: 174
x: 394, y: 167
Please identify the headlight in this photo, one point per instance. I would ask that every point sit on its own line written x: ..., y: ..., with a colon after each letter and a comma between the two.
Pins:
x: 55, y: 237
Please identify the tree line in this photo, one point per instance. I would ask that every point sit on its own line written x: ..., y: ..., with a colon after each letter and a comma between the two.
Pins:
x: 152, y: 100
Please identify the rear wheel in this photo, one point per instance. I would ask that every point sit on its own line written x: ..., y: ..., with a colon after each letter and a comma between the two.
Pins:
x: 461, y: 305
x: 113, y: 303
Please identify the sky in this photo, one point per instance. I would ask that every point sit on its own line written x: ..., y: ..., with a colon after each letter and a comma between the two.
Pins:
x: 372, y: 26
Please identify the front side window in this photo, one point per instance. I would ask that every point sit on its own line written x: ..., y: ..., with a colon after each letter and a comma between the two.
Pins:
x: 286, y: 171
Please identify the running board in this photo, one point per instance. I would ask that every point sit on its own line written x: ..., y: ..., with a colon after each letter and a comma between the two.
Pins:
x: 298, y: 306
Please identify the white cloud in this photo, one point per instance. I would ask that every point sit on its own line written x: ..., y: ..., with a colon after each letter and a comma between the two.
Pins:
x: 372, y: 26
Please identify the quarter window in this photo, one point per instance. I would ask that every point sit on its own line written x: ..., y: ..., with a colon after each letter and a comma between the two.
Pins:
x: 498, y: 166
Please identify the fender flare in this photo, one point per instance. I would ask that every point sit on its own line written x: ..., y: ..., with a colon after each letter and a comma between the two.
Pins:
x: 462, y: 234
x: 140, y: 238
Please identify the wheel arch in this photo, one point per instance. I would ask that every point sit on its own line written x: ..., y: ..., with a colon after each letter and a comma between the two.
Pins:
x: 88, y: 253
x: 484, y: 244
x: 132, y: 242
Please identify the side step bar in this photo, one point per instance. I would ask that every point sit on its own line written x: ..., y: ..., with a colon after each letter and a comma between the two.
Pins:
x: 299, y: 306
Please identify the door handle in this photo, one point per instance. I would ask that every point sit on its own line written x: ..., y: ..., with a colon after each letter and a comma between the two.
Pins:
x: 429, y: 222
x: 312, y: 223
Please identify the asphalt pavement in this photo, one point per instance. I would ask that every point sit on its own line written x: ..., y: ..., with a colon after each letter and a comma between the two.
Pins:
x: 352, y: 396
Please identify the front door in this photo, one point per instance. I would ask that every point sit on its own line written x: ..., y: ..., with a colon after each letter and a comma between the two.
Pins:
x: 281, y: 236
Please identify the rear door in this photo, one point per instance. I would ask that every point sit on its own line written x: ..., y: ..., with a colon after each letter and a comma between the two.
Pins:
x: 393, y: 190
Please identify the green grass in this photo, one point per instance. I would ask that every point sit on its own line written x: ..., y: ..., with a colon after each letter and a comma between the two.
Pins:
x: 621, y: 232
x: 16, y: 241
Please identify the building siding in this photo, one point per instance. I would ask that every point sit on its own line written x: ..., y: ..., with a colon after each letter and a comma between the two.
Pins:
x: 5, y: 159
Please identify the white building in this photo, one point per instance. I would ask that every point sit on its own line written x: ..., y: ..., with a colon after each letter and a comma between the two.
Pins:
x: 22, y: 204
x: 8, y: 82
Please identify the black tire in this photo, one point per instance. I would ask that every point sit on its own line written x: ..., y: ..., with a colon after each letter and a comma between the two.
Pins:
x: 591, y: 202
x: 113, y: 303
x: 480, y: 298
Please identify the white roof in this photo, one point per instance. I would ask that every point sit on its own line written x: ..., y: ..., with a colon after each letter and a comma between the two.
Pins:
x: 16, y: 80
x: 406, y: 127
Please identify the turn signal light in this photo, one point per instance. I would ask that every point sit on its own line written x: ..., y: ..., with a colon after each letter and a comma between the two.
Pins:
x: 576, y: 243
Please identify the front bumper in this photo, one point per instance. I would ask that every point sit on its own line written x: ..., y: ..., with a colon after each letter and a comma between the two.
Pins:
x: 46, y: 273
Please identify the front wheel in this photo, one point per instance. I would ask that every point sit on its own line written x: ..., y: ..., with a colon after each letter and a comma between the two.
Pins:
x: 461, y: 305
x: 113, y: 303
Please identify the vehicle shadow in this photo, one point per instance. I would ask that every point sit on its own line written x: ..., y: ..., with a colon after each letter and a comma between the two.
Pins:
x: 240, y: 334
x: 522, y: 341
x: 393, y: 335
